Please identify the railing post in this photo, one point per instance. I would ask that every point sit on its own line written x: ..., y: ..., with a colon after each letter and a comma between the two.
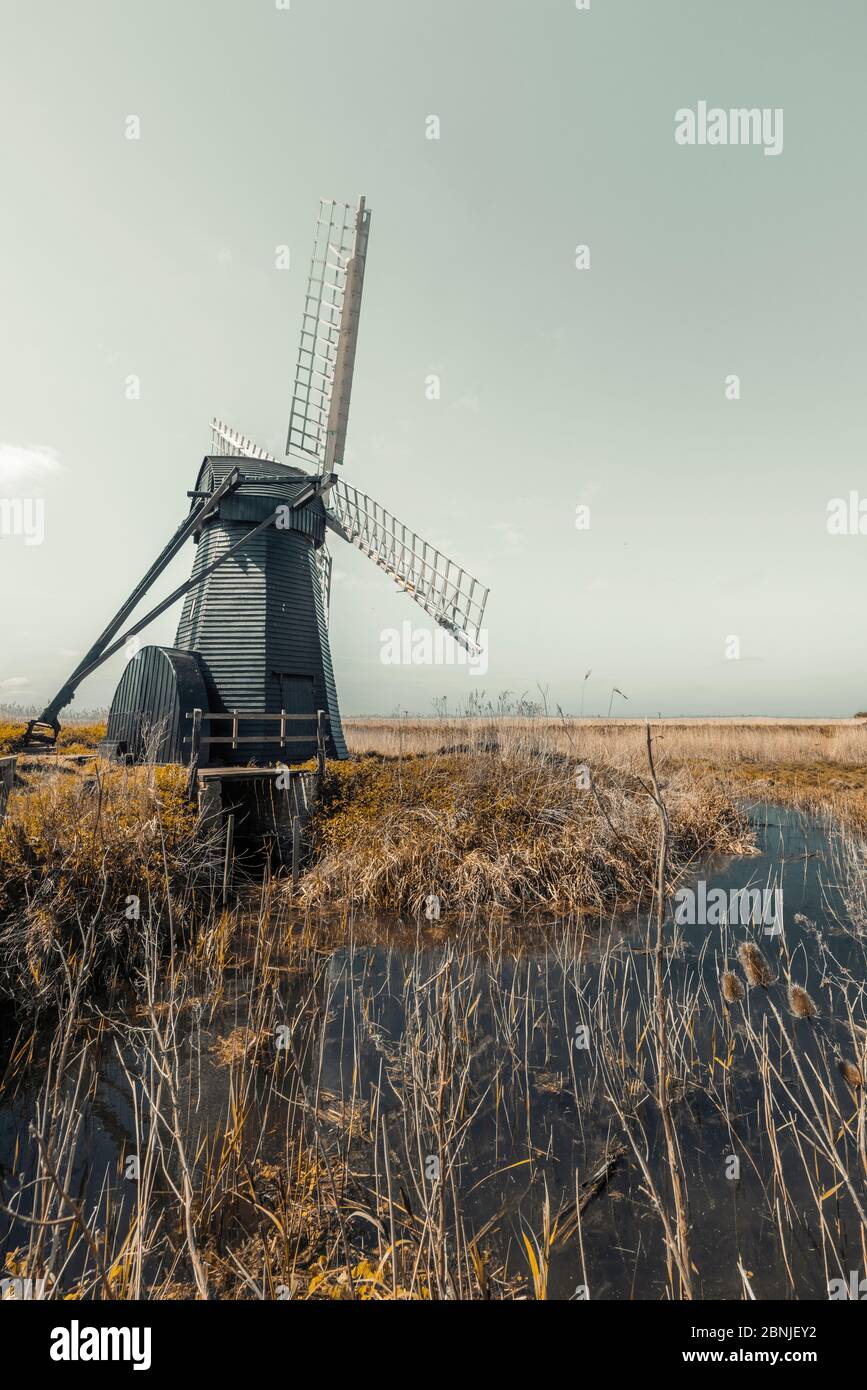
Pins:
x: 282, y: 729
x: 320, y: 742
x: 195, y: 750
x: 235, y: 722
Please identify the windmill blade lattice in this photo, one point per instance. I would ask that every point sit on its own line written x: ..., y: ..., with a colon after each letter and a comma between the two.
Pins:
x: 228, y: 442
x: 323, y: 568
x: 446, y: 592
x: 329, y: 334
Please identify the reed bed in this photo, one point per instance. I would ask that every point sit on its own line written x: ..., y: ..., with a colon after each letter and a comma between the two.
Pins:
x: 473, y: 832
x: 809, y: 763
x: 75, y: 736
x: 798, y: 744
x: 620, y: 742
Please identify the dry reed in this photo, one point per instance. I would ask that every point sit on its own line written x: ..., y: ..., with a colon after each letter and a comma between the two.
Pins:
x: 732, y: 989
x: 754, y: 966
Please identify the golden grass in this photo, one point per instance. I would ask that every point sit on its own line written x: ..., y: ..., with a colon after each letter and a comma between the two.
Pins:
x: 74, y: 738
x: 720, y: 743
x: 788, y: 744
x: 471, y: 832
x: 278, y: 1187
x: 811, y: 764
x: 84, y: 861
x: 481, y: 814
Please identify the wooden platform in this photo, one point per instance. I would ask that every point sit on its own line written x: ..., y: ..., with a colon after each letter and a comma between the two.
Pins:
x: 253, y: 774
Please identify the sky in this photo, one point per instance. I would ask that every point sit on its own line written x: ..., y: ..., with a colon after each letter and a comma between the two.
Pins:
x: 704, y: 578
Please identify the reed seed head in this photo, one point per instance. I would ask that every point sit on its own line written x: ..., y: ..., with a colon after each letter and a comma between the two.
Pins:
x: 732, y: 989
x: 800, y: 1003
x: 850, y: 1073
x: 754, y: 966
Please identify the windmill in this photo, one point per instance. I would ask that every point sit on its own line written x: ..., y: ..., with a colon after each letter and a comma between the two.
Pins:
x: 252, y: 650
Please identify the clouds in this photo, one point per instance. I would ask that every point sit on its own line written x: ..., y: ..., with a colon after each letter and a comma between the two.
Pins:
x: 14, y: 683
x: 27, y: 463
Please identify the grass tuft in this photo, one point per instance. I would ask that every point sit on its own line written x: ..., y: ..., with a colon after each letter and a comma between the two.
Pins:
x: 476, y: 831
x: 85, y: 862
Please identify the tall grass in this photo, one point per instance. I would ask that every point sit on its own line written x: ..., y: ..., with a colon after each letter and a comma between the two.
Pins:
x: 320, y: 1107
x: 476, y: 831
x: 316, y: 1117
x: 85, y: 863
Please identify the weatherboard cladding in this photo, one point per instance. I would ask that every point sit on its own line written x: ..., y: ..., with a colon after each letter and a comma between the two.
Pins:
x: 260, y: 616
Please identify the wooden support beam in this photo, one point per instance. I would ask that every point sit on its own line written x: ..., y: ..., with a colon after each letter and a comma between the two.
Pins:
x: 195, y: 750
x: 7, y: 781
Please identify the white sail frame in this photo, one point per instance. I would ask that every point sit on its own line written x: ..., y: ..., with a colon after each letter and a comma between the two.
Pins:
x: 446, y: 591
x: 322, y: 387
x: 227, y: 442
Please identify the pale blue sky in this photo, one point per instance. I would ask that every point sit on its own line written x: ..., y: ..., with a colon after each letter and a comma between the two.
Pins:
x: 559, y: 387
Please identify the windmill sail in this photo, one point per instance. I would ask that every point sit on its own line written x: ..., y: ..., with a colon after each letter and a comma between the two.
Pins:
x: 323, y: 569
x: 226, y: 441
x: 329, y: 334
x: 447, y: 593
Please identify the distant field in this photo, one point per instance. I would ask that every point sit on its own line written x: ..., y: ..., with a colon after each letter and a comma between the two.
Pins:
x: 721, y: 741
x: 717, y: 742
x: 820, y: 764
x: 74, y: 737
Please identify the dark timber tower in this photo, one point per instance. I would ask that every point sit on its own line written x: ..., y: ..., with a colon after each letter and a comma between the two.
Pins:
x: 252, y: 651
x: 258, y: 624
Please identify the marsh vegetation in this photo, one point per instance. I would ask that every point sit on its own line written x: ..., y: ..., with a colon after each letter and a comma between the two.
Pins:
x: 536, y: 1096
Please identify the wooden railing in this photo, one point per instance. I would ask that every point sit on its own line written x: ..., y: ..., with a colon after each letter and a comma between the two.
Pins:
x: 235, y: 739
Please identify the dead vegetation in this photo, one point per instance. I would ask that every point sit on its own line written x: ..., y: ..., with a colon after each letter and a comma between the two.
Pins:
x: 304, y: 1110
x: 86, y: 859
x: 481, y: 832
x: 481, y: 1114
x: 804, y: 763
x: 722, y: 742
